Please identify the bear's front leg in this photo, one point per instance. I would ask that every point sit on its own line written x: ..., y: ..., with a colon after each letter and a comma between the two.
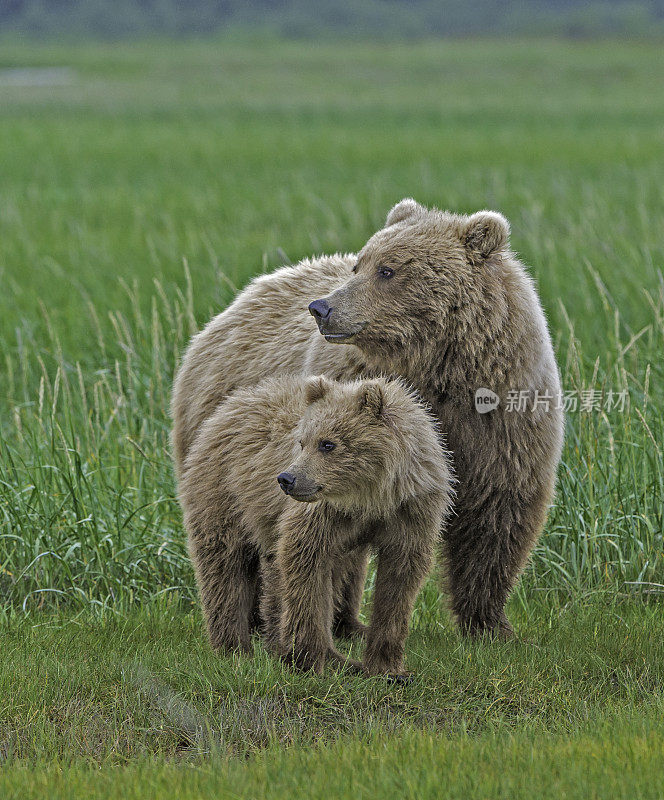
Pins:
x: 405, y: 556
x: 304, y: 560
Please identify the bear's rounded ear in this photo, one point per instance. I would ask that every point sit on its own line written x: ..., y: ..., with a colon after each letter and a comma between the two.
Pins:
x: 486, y: 232
x: 372, y: 398
x: 316, y: 388
x: 404, y: 210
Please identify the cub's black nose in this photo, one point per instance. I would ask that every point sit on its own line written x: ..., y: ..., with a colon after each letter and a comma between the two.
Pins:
x: 320, y: 309
x: 286, y: 481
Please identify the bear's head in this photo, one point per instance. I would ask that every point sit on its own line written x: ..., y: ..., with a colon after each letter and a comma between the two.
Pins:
x: 423, y: 278
x: 346, y: 447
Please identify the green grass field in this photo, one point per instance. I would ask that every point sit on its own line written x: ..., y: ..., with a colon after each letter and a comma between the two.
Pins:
x: 136, y: 197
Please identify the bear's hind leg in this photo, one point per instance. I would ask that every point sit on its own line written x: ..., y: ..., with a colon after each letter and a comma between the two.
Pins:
x: 349, y: 582
x: 485, y: 550
x: 255, y: 621
x: 270, y: 603
x: 227, y: 571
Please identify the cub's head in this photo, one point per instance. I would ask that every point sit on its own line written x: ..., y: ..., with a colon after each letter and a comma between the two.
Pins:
x: 345, y: 444
x: 420, y: 276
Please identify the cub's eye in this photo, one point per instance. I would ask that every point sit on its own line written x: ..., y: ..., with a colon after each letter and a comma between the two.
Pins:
x: 325, y: 446
x: 301, y: 444
x: 385, y: 272
x: 355, y: 267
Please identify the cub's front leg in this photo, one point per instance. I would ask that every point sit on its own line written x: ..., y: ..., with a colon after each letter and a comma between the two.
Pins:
x: 405, y: 554
x: 305, y: 559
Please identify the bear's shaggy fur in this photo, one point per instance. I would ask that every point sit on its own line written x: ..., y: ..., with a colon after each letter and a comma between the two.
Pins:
x: 367, y: 465
x: 440, y: 300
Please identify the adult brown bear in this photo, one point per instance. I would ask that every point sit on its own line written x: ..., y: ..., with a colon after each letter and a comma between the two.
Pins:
x: 439, y: 300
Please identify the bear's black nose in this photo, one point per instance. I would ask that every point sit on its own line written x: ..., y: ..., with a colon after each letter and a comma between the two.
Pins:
x: 320, y: 309
x: 286, y: 481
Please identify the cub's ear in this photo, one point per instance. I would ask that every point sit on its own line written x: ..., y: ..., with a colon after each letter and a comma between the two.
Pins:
x: 404, y: 210
x: 486, y: 232
x: 373, y: 398
x: 316, y: 388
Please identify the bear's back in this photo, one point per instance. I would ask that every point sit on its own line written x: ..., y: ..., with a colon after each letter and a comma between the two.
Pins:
x: 239, y: 450
x: 265, y: 331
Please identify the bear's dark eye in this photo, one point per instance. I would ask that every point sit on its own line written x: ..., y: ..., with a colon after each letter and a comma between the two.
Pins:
x: 325, y: 445
x: 385, y: 272
x: 355, y: 268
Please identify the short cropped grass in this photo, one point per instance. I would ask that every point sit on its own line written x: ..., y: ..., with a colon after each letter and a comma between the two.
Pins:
x: 143, y: 698
x: 610, y: 758
x: 137, y: 196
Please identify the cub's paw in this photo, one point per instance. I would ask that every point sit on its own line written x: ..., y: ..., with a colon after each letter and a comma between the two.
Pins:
x: 393, y: 673
x: 341, y: 660
x: 227, y: 644
x: 400, y: 678
x: 304, y: 660
x: 350, y: 629
x: 396, y: 677
x: 501, y: 631
x: 505, y: 632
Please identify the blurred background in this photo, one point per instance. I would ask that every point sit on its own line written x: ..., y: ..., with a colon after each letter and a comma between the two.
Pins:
x: 356, y: 18
x: 156, y: 155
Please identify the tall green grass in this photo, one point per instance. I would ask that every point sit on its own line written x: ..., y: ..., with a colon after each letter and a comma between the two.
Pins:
x: 137, y: 199
x: 89, y: 517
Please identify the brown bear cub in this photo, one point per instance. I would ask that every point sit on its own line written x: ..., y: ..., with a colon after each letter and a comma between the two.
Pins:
x: 286, y: 485
x: 441, y: 301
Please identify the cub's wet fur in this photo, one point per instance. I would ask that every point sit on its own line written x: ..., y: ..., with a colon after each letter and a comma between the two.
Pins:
x: 286, y: 488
